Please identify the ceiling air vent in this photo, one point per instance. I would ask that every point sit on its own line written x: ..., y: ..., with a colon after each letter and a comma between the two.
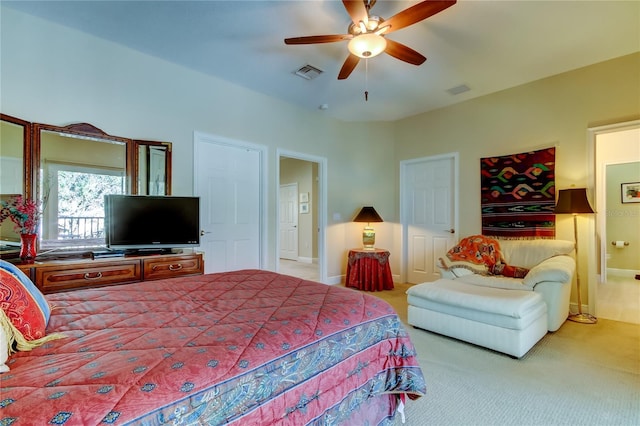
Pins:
x: 308, y: 72
x: 458, y: 89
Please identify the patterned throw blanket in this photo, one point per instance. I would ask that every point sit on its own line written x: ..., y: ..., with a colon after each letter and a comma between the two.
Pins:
x: 481, y: 255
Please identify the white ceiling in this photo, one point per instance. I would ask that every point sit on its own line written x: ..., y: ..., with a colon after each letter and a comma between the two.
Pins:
x: 486, y: 45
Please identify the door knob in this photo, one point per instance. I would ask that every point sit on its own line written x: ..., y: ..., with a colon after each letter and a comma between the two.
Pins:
x: 202, y: 232
x: 451, y: 231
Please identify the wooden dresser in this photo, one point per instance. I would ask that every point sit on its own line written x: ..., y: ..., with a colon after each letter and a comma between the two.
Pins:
x: 72, y: 274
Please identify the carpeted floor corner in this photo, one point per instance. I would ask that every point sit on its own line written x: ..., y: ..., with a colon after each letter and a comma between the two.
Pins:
x: 579, y: 375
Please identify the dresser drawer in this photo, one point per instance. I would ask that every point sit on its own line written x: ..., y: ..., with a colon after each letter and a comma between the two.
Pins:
x: 58, y: 278
x: 156, y: 268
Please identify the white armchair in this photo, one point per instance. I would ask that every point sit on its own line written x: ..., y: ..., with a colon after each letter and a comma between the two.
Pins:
x: 551, y: 270
x: 509, y: 315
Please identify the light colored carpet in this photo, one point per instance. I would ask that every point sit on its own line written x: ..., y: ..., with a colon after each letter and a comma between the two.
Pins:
x: 307, y: 271
x: 579, y: 375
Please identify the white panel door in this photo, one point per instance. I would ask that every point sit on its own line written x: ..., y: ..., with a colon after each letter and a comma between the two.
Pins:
x: 428, y: 202
x: 228, y: 184
x: 288, y: 212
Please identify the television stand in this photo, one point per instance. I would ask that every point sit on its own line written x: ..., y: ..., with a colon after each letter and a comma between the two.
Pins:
x: 52, y: 276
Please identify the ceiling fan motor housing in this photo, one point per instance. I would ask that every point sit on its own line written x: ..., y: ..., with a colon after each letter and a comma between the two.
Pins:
x: 372, y: 24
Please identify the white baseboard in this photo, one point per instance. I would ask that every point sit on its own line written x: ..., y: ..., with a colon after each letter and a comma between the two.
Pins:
x: 337, y: 279
x: 573, y: 308
x: 627, y: 273
x: 307, y: 259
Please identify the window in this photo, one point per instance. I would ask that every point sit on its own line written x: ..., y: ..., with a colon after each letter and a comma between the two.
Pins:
x: 74, y: 207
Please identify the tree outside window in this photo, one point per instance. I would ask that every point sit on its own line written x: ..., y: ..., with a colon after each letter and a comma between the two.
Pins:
x: 75, y: 209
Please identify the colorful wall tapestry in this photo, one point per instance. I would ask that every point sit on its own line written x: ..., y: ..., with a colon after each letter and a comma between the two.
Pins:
x: 518, y: 195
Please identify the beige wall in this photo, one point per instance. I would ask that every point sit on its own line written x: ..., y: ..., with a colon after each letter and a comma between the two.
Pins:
x: 11, y: 154
x: 11, y: 143
x: 56, y: 75
x: 11, y: 147
x: 554, y: 111
x: 60, y: 149
x: 623, y: 219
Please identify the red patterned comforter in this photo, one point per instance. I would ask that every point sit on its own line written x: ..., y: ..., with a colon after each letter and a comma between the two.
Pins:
x: 251, y: 347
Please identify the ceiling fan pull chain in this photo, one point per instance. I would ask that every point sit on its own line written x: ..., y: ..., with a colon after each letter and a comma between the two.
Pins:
x: 366, y: 80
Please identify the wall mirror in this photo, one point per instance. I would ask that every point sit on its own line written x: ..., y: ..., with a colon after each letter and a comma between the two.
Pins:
x: 15, y: 165
x: 75, y: 167
x: 69, y: 169
x: 153, y: 160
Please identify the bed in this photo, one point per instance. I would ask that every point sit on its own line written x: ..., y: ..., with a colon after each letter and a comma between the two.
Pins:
x: 249, y: 347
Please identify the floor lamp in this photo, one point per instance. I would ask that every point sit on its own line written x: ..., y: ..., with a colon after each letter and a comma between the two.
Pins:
x: 574, y: 201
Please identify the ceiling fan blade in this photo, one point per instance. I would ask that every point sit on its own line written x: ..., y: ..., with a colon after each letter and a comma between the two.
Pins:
x: 404, y: 53
x: 416, y: 13
x: 348, y: 66
x: 356, y: 10
x: 318, y: 39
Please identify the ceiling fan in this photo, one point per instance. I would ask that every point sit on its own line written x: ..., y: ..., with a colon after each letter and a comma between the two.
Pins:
x: 366, y: 33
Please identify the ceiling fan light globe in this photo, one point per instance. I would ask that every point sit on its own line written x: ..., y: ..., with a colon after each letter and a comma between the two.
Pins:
x: 367, y: 45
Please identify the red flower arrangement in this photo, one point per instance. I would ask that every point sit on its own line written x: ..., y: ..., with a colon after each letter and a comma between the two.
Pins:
x: 24, y: 213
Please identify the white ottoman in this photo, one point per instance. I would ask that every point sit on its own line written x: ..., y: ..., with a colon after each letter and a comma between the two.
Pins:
x: 508, y: 321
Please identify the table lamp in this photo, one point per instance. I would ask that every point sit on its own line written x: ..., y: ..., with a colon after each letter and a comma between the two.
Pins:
x: 574, y: 201
x: 368, y: 214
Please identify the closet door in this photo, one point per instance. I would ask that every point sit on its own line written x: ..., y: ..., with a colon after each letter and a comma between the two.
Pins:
x: 228, y: 182
x: 428, y: 205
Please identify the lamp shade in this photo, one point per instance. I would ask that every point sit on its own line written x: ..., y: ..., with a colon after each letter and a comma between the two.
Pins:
x: 368, y: 214
x: 573, y: 201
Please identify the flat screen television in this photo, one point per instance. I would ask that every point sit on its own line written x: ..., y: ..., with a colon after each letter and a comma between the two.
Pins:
x: 151, y: 223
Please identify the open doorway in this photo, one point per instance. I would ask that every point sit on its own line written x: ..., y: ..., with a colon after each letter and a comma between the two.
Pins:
x: 301, y: 224
x: 616, y: 294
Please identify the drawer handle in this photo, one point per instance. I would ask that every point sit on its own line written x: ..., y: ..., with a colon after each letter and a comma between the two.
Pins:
x: 88, y: 276
x: 176, y: 267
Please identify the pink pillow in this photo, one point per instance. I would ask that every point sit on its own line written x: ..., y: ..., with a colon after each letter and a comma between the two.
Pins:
x: 22, y: 302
